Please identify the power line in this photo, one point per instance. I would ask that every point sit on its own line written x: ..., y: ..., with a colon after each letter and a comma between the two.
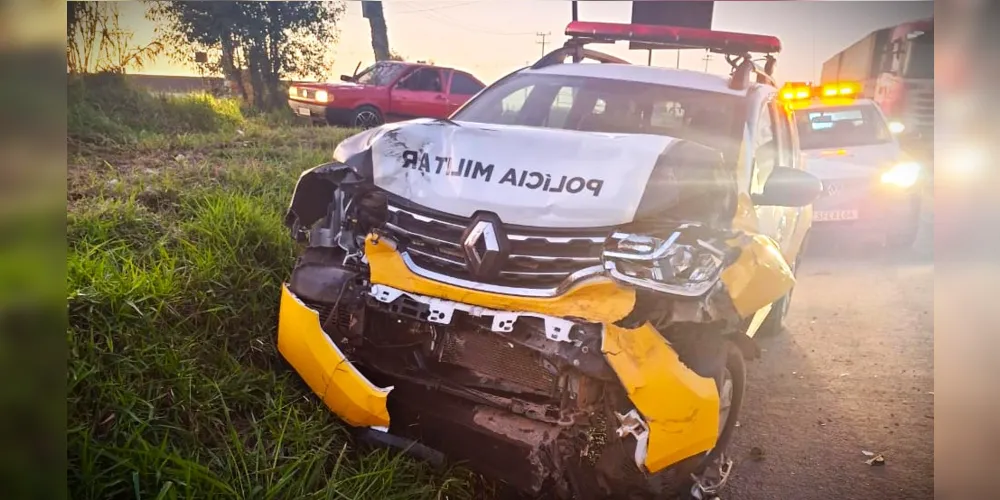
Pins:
x: 543, y: 35
x: 437, y: 8
x: 441, y: 18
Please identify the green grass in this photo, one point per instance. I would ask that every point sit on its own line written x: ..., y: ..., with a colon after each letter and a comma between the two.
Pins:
x: 103, y: 108
x: 176, y: 255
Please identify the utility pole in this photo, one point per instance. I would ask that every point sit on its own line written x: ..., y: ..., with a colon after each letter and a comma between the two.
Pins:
x: 543, y: 35
x: 707, y: 58
x: 649, y: 58
x: 678, y: 58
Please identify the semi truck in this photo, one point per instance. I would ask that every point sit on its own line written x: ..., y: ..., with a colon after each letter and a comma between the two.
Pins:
x: 895, y: 67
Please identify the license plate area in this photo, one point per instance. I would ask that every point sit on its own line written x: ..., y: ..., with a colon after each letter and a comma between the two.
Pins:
x: 304, y: 111
x: 834, y: 215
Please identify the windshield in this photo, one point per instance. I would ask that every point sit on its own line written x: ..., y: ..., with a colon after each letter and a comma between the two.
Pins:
x: 610, y: 106
x: 380, y: 74
x: 920, y: 57
x: 840, y: 127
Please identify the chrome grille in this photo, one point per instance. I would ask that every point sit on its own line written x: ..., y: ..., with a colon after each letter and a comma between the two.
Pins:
x: 538, y: 258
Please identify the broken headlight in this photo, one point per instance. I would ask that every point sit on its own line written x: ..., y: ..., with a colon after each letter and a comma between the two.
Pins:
x: 671, y: 265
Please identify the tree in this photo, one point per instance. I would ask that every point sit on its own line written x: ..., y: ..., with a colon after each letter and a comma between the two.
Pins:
x: 96, y: 42
x: 252, y: 44
x: 380, y: 35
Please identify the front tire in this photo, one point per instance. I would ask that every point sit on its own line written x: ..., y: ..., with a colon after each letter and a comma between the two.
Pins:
x: 366, y: 117
x: 904, y: 237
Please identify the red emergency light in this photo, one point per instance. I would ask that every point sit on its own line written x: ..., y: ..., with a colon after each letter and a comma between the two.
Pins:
x: 676, y: 37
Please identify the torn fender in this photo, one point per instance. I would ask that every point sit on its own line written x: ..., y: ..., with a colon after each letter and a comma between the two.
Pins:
x: 314, y: 192
x: 680, y: 408
x: 343, y: 389
x: 599, y: 300
x: 759, y: 276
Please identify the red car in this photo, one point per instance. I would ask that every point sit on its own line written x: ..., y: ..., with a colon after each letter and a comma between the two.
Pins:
x: 385, y: 91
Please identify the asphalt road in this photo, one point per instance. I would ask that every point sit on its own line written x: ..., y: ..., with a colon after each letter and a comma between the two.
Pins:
x: 853, y: 372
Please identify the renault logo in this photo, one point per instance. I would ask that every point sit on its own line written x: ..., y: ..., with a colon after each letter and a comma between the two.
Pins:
x: 484, y: 246
x: 831, y: 188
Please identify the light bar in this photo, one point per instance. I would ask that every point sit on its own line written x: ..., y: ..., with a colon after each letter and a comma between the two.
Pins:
x: 803, y: 92
x: 676, y: 37
x: 847, y: 89
x: 795, y: 92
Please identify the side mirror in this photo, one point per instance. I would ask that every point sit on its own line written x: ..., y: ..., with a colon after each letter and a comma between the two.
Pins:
x: 789, y: 187
x: 345, y: 78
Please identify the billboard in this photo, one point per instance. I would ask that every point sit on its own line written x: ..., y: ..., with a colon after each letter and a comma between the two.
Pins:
x: 684, y: 13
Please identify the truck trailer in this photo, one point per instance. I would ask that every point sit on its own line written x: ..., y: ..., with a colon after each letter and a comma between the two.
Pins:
x: 895, y: 67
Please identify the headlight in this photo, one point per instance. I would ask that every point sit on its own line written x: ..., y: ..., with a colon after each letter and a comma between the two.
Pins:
x: 293, y: 92
x: 903, y: 175
x: 664, y: 265
x: 321, y: 96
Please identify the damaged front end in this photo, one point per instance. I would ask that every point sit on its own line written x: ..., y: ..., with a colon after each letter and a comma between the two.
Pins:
x: 578, y: 361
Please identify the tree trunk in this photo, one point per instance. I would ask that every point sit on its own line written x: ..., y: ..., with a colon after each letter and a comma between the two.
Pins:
x: 258, y: 63
x: 380, y: 35
x: 229, y: 70
x: 275, y: 37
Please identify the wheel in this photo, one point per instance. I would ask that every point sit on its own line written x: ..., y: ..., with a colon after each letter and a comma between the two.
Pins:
x: 905, y: 237
x: 774, y: 323
x: 903, y: 240
x: 731, y: 384
x: 366, y: 117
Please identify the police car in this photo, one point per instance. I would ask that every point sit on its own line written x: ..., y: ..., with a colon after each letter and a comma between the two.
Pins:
x: 870, y: 184
x: 628, y: 227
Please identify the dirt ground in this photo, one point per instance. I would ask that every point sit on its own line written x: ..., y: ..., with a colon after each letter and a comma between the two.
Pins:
x: 853, y: 372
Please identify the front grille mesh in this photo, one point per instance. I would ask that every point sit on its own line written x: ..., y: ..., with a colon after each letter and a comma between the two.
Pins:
x: 536, y: 260
x: 340, y: 321
x: 493, y: 356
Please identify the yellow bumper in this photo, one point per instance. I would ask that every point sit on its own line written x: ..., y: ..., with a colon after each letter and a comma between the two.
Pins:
x: 680, y: 407
x: 319, y: 362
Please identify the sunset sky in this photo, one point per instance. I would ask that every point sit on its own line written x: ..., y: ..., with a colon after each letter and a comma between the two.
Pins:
x: 490, y: 38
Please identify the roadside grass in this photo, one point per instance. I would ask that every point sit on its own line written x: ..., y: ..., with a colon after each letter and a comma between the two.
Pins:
x: 176, y: 254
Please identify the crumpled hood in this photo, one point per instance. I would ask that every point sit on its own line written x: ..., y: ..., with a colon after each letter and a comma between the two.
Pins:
x: 527, y: 176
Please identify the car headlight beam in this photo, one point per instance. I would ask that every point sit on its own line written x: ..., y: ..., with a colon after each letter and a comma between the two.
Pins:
x: 903, y: 175
x: 322, y: 96
x: 663, y: 264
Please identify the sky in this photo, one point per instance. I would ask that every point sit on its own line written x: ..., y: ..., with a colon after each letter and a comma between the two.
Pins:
x: 491, y: 38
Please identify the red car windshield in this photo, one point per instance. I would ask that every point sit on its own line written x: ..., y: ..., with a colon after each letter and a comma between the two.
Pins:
x: 380, y: 74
